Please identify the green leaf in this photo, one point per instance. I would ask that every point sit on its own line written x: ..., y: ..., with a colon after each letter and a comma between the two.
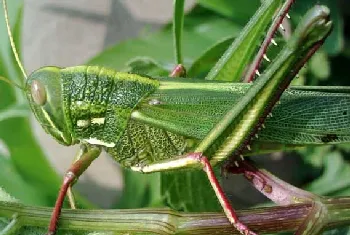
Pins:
x: 239, y: 11
x: 140, y: 190
x: 199, y: 34
x: 319, y: 65
x: 18, y: 187
x: 232, y: 64
x: 335, y: 176
x: 146, y: 65
x: 27, y: 158
x: 178, y: 21
x: 189, y: 191
x: 202, y: 65
x: 16, y: 110
x: 337, y: 231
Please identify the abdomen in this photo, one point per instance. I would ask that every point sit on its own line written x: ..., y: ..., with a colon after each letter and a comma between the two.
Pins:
x: 145, y: 144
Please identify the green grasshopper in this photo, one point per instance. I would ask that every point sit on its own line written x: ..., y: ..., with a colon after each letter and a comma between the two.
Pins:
x: 165, y: 124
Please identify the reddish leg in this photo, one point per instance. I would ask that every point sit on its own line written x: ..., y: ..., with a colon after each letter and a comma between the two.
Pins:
x: 70, y: 194
x: 76, y: 169
x: 193, y: 160
x: 179, y: 71
x: 230, y: 213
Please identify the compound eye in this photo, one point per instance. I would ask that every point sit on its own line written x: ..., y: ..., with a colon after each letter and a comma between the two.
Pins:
x: 38, y: 92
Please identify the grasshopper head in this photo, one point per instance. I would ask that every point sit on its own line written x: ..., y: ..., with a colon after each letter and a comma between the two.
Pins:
x: 44, y: 93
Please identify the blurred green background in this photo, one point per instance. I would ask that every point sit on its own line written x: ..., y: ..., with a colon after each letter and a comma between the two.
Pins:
x: 27, y: 174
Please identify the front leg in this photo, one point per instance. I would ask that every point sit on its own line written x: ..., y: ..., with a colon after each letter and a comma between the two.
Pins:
x: 70, y: 195
x: 197, y: 160
x: 73, y: 173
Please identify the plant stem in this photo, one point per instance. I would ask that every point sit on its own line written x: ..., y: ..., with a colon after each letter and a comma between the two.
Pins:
x: 167, y: 221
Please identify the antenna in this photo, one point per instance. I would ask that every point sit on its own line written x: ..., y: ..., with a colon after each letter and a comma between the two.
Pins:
x: 11, y: 83
x: 13, y: 47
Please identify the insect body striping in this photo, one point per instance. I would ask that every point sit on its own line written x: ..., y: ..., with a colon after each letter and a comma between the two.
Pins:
x: 101, y: 101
